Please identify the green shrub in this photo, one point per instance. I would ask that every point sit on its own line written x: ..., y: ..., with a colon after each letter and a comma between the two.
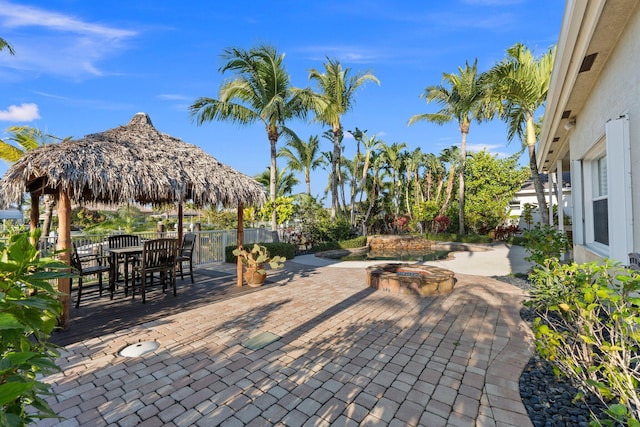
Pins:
x: 357, y: 242
x: 466, y: 238
x: 286, y: 250
x: 544, y: 242
x: 29, y: 311
x: 587, y: 327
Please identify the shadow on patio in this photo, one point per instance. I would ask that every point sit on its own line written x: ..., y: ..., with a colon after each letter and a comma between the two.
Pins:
x: 99, y: 316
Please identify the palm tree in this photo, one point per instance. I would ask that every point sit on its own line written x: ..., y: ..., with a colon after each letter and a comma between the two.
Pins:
x: 285, y: 181
x: 453, y: 157
x: 413, y: 162
x: 520, y: 83
x: 303, y: 157
x: 260, y: 92
x: 434, y: 169
x: 27, y: 139
x: 5, y: 45
x: 337, y: 92
x: 393, y: 157
x: 463, y: 99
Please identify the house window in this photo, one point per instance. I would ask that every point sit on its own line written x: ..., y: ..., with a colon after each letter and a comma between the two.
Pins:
x: 600, y: 201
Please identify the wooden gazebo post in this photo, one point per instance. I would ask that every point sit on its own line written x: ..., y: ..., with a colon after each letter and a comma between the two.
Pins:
x: 34, y: 216
x: 64, y: 244
x: 180, y: 222
x: 240, y: 238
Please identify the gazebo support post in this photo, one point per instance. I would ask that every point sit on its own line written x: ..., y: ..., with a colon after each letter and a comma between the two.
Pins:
x: 64, y: 244
x: 240, y: 238
x: 34, y: 217
x: 180, y: 222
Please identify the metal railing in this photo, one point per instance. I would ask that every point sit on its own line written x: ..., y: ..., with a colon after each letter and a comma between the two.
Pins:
x: 210, y: 244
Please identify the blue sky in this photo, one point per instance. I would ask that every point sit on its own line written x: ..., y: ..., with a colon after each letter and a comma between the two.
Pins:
x: 86, y: 66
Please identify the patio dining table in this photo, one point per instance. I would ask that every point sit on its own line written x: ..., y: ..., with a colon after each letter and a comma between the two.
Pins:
x: 114, y: 255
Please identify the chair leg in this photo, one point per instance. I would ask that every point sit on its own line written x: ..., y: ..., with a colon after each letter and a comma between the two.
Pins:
x: 180, y: 268
x: 142, y: 285
x: 79, y: 290
x: 100, y: 282
x: 191, y: 271
x: 173, y: 281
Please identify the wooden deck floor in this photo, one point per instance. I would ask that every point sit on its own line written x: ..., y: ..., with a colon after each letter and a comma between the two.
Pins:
x: 99, y: 315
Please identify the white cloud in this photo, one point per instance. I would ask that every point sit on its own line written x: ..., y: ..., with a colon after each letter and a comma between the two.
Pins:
x: 348, y: 54
x: 174, y: 97
x: 20, y: 113
x: 24, y: 16
x: 55, y: 43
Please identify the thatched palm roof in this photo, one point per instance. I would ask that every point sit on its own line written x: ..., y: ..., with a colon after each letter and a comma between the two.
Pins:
x: 135, y: 162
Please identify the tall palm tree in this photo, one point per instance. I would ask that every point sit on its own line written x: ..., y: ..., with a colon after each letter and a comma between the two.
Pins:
x: 337, y: 89
x: 303, y: 157
x: 520, y: 82
x: 27, y: 139
x: 5, y: 45
x: 463, y: 99
x: 260, y: 92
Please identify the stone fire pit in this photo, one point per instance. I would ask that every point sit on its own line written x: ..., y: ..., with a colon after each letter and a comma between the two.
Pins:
x: 399, y: 278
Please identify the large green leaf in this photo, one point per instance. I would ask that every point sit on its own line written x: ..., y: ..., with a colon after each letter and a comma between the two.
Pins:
x: 9, y: 321
x: 12, y: 390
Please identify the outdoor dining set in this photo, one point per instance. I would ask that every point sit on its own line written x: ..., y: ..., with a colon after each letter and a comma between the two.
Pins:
x: 133, y: 262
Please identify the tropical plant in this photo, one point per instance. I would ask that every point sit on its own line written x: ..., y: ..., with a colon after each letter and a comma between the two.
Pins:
x: 463, y: 99
x: 337, y: 92
x: 27, y: 139
x: 285, y: 181
x: 393, y: 159
x: 257, y: 256
x: 29, y: 311
x: 492, y: 184
x: 284, y: 209
x: 519, y: 83
x: 586, y: 326
x: 544, y: 242
x: 303, y: 157
x: 4, y: 45
x: 260, y: 92
x: 449, y: 156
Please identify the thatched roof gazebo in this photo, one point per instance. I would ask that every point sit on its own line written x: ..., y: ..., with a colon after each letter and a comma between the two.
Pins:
x: 132, y: 163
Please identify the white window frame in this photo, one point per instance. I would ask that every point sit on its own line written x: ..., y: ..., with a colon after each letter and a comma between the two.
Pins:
x: 590, y: 180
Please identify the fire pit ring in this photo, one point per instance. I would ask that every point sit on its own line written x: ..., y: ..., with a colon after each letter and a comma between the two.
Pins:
x: 415, y: 279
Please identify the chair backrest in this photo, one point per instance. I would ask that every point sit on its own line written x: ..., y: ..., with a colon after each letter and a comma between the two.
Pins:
x: 75, y: 259
x: 159, y: 253
x: 123, y: 240
x: 188, y: 243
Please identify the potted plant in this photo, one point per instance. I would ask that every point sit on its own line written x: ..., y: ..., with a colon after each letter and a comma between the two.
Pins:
x: 254, y: 260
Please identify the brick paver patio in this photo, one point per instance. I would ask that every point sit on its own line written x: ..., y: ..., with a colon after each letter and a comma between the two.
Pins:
x: 347, y: 356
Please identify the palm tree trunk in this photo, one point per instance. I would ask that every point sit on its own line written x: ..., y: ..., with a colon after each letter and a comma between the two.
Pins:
x: 273, y: 139
x: 463, y: 161
x: 334, y: 171
x: 535, y: 177
x: 372, y: 199
x: 449, y: 190
x: 307, y: 180
x: 49, y: 203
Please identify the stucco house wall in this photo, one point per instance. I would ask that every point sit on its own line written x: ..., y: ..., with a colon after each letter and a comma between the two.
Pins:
x: 593, y: 121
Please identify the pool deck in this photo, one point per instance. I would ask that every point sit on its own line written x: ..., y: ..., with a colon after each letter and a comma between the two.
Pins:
x: 344, y: 354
